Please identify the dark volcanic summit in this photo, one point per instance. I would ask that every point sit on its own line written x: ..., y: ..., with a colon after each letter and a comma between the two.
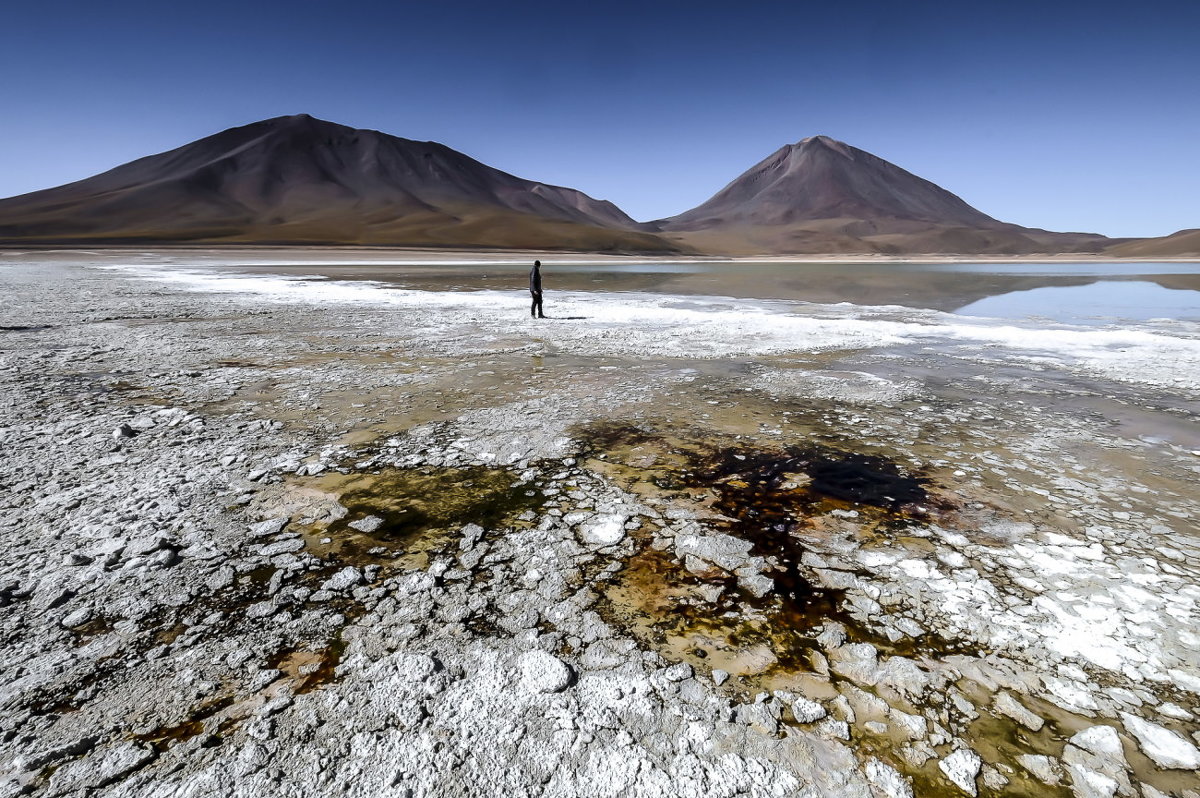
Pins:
x: 297, y: 179
x: 824, y: 196
x: 820, y: 178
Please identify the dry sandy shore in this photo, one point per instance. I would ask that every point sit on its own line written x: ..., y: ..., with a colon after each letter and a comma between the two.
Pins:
x: 274, y: 537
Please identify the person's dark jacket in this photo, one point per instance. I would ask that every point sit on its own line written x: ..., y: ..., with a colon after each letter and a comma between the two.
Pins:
x: 535, y: 281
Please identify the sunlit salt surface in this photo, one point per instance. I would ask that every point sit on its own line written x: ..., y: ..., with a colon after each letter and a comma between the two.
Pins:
x: 615, y: 323
x: 1102, y: 302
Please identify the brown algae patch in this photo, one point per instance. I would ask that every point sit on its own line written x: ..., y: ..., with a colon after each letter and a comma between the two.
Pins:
x: 750, y: 485
x: 772, y: 498
x: 300, y: 671
x: 384, y: 521
x: 305, y: 671
x: 165, y: 737
x: 95, y: 626
x: 669, y: 609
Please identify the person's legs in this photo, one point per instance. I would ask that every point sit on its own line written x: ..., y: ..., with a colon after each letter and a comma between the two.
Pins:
x: 535, y: 309
x: 540, y: 315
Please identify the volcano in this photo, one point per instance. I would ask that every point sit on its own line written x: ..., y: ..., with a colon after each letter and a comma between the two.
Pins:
x: 821, y: 195
x: 301, y: 180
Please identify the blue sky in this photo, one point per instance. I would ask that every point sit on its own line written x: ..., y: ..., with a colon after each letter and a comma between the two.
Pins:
x: 1064, y: 115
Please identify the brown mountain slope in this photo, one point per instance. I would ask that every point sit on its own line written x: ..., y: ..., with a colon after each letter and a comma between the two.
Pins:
x: 1184, y: 244
x: 303, y: 180
x: 823, y: 196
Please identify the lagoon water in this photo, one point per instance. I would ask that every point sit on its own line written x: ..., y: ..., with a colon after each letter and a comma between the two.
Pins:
x: 1102, y: 302
x: 1100, y: 337
x: 1086, y: 292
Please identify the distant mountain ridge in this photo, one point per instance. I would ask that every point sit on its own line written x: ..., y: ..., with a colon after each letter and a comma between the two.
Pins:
x: 1180, y: 244
x: 823, y: 195
x: 297, y: 179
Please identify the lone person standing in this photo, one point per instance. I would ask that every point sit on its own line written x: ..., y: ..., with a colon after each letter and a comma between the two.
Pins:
x: 535, y: 290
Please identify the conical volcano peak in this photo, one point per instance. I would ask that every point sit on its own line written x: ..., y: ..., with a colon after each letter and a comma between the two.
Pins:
x: 299, y: 120
x: 818, y: 139
x: 295, y: 128
x: 825, y: 143
x: 823, y: 195
x: 294, y: 119
x: 821, y: 178
x: 302, y: 123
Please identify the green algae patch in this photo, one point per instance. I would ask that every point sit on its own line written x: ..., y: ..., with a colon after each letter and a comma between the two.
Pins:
x: 412, y: 501
x: 405, y: 512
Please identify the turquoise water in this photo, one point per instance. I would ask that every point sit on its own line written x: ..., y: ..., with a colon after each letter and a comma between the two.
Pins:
x: 1101, y: 302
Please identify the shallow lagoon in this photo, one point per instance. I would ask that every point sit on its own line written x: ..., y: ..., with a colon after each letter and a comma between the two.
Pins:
x: 1102, y: 302
x: 940, y: 286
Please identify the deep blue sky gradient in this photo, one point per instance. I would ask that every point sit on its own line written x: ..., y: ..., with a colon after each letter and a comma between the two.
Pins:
x: 1064, y: 115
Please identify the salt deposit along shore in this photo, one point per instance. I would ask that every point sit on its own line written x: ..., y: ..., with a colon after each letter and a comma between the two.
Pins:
x: 273, y: 535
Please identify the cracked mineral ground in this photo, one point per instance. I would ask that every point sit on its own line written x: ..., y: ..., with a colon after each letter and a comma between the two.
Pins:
x: 274, y: 527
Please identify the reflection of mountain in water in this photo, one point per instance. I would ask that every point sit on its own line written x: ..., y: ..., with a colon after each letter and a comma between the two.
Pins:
x: 1101, y: 302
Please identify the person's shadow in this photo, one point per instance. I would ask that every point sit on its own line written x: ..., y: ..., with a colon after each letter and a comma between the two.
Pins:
x: 565, y: 318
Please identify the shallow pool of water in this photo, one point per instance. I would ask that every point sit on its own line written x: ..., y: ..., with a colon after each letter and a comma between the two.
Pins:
x: 939, y: 286
x: 1101, y: 302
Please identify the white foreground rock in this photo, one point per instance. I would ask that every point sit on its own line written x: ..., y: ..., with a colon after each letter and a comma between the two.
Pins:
x: 806, y: 711
x: 961, y: 767
x: 1007, y: 705
x: 1167, y: 748
x: 542, y: 672
x: 604, y: 530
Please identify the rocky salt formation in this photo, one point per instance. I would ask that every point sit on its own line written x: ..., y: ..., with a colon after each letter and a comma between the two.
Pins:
x: 264, y: 547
